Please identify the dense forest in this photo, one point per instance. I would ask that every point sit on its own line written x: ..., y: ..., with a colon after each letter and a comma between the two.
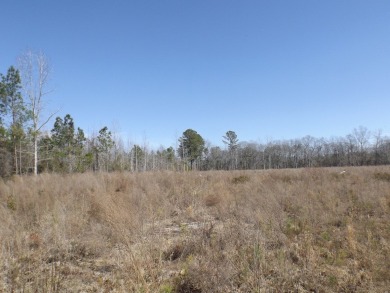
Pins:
x: 26, y: 148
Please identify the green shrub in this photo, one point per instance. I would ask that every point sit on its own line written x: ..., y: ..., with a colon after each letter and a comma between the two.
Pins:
x: 240, y: 179
x: 383, y: 176
x: 11, y: 204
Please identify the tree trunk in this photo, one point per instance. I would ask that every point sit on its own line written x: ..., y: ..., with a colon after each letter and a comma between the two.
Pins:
x: 16, y: 158
x: 35, y: 155
x: 20, y: 157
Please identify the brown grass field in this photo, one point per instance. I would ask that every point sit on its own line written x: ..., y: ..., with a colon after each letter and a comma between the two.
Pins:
x: 302, y: 230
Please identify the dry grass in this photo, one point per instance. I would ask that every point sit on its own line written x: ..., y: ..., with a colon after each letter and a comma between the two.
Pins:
x: 307, y: 230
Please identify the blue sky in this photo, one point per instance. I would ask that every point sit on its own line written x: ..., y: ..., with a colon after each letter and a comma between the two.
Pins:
x: 264, y: 69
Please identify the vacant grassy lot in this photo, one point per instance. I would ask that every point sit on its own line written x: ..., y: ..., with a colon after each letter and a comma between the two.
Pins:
x: 306, y: 230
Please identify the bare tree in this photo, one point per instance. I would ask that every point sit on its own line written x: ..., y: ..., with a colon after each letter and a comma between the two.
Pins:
x: 362, y: 136
x: 34, y: 70
x: 378, y: 141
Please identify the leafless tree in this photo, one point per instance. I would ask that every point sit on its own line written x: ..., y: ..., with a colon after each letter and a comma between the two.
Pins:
x: 35, y: 70
x: 362, y: 136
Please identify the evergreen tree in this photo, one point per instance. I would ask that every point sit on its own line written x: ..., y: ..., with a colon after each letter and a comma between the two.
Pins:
x: 137, y: 157
x: 231, y: 140
x: 102, y: 146
x: 191, y: 146
x: 13, y: 113
x: 67, y: 146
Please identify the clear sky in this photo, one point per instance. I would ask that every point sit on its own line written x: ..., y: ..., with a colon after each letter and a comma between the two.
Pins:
x: 264, y: 69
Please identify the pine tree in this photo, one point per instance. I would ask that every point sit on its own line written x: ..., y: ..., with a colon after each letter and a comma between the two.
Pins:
x: 191, y: 146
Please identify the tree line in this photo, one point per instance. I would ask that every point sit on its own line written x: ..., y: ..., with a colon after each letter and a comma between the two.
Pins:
x: 25, y: 148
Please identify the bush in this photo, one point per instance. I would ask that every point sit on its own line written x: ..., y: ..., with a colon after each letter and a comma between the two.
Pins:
x: 240, y: 179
